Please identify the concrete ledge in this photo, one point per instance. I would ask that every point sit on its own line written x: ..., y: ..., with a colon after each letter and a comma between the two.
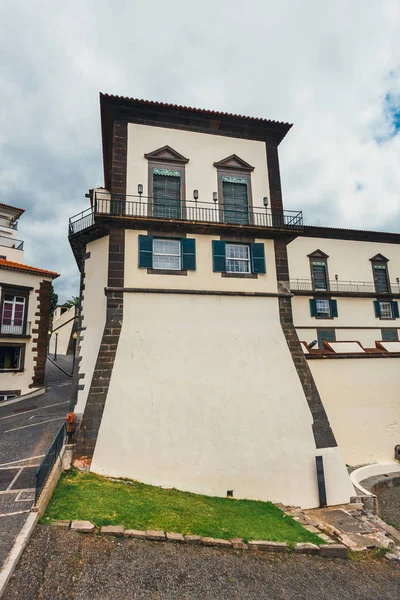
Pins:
x: 334, y: 551
x: 269, y: 546
x: 155, y: 536
x: 136, y: 534
x: 112, y: 530
x: 37, y: 392
x: 19, y: 546
x: 371, y: 470
x: 305, y: 548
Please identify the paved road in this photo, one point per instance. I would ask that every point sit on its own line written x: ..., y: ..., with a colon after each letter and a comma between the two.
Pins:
x: 27, y: 429
x: 63, y: 564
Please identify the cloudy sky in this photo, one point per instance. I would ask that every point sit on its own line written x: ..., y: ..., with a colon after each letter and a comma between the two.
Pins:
x: 331, y: 68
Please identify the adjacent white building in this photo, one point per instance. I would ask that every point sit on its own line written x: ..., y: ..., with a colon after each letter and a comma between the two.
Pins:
x: 197, y: 288
x: 25, y: 311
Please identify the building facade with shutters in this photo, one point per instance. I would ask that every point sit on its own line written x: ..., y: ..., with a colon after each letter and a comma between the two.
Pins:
x: 25, y: 312
x: 191, y: 373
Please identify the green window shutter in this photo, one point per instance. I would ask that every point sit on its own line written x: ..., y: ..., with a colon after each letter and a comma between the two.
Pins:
x: 334, y: 311
x: 219, y: 262
x: 395, y: 310
x: 257, y: 258
x: 188, y: 247
x: 313, y: 307
x: 145, y: 252
x: 377, y: 308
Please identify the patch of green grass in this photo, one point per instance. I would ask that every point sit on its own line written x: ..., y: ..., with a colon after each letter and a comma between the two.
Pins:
x: 138, y: 506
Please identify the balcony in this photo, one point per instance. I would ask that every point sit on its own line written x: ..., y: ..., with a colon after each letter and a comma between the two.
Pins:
x: 191, y: 211
x: 306, y: 287
x: 11, y: 243
x: 15, y: 328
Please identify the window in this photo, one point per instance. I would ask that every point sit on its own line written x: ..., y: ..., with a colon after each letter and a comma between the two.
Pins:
x: 318, y: 274
x: 235, y: 200
x: 325, y: 335
x: 166, y: 254
x: 166, y: 194
x: 10, y: 358
x: 323, y: 308
x: 381, y: 279
x: 13, y: 315
x: 9, y: 396
x: 386, y: 309
x: 390, y: 335
x: 237, y: 258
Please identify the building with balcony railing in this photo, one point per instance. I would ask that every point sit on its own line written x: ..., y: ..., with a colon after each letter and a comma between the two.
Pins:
x: 198, y: 287
x: 25, y: 300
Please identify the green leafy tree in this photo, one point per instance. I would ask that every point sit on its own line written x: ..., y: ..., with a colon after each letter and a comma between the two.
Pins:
x: 54, y: 301
x: 73, y: 302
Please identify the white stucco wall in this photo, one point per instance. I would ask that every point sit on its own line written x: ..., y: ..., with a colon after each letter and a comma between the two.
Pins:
x: 349, y: 260
x: 22, y: 380
x: 204, y: 397
x: 63, y: 323
x: 202, y: 150
x: 94, y: 313
x: 361, y: 398
x: 203, y: 278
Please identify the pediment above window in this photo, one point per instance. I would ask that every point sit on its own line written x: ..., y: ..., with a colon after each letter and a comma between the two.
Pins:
x: 166, y: 154
x: 318, y: 254
x: 379, y: 258
x: 233, y: 163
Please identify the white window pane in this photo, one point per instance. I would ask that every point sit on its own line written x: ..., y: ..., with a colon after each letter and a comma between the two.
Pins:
x: 386, y: 310
x: 166, y: 262
x: 323, y: 308
x: 166, y: 247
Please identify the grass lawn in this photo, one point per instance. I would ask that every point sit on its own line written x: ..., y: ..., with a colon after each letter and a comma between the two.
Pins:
x: 138, y: 506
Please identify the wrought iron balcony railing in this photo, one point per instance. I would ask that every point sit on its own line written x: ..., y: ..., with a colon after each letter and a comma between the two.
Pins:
x: 353, y: 287
x: 14, y: 327
x: 11, y: 243
x: 187, y: 210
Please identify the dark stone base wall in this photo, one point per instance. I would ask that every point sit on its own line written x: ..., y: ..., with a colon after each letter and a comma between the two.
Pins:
x: 323, y: 434
x: 42, y: 326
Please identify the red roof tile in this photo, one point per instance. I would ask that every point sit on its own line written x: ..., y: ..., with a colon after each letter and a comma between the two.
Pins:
x: 14, y: 266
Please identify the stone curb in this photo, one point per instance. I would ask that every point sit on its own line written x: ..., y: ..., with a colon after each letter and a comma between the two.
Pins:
x: 327, y: 550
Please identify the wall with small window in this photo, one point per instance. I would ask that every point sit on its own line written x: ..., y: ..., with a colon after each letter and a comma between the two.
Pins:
x: 197, y: 171
x: 361, y: 398
x: 345, y: 312
x: 349, y: 260
x: 18, y: 305
x: 199, y: 262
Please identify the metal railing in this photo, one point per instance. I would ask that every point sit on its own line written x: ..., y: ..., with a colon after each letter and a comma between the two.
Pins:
x: 11, y: 243
x: 355, y: 287
x: 48, y: 462
x: 188, y: 210
x: 9, y: 327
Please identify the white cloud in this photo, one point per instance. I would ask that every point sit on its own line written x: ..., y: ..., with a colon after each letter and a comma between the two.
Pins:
x: 325, y: 67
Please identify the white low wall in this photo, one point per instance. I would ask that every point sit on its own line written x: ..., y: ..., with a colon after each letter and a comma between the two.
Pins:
x: 204, y: 397
x: 361, y: 398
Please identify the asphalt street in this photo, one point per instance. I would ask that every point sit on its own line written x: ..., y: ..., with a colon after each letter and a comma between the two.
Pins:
x: 27, y: 429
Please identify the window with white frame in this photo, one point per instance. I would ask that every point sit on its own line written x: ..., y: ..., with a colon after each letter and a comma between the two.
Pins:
x: 167, y: 254
x: 386, y: 310
x: 238, y: 258
x: 13, y: 314
x: 323, y: 308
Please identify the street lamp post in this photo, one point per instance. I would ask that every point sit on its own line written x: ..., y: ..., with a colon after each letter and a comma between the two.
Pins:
x: 55, y: 349
x: 74, y: 337
x: 48, y: 343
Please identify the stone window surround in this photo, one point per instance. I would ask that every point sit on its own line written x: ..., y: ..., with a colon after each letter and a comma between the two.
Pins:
x: 319, y: 256
x: 380, y: 260
x: 15, y: 290
x: 22, y: 356
x: 164, y: 235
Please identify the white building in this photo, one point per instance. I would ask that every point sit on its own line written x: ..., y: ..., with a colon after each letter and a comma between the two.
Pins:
x: 191, y: 370
x: 25, y: 311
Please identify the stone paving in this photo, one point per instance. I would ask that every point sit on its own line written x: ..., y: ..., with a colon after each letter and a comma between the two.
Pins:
x: 62, y: 564
x: 27, y: 429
